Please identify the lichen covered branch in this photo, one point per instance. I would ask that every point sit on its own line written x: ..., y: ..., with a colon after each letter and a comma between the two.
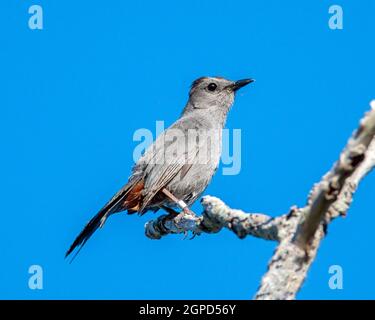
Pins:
x: 298, y: 232
x: 216, y: 216
x: 329, y: 199
x: 333, y: 182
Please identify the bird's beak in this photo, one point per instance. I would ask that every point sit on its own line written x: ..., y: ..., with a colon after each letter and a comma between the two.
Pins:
x: 241, y: 83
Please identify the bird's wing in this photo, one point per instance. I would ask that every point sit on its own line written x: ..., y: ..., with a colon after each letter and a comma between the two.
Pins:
x: 171, y: 155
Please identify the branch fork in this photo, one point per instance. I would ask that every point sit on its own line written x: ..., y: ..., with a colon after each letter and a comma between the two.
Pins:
x: 298, y: 232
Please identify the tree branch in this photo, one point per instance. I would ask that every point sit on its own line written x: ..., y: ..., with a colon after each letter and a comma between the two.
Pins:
x: 298, y: 232
x: 288, y: 267
x: 216, y: 216
x: 330, y: 187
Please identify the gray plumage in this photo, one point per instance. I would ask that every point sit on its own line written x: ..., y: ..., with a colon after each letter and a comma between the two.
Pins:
x: 182, y: 160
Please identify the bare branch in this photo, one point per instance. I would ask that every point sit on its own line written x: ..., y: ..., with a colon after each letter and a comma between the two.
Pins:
x: 345, y: 198
x: 299, y: 232
x: 333, y: 182
x: 216, y: 216
x: 288, y: 266
x: 290, y: 263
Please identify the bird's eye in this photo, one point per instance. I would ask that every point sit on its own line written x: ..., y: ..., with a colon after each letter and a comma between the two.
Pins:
x: 212, y: 87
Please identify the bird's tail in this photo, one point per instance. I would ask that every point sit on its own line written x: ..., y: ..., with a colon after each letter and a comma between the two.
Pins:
x: 117, y: 203
x: 86, y: 233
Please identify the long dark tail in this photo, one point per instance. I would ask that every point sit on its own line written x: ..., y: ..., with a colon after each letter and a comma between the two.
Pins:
x: 116, y: 204
x: 86, y: 233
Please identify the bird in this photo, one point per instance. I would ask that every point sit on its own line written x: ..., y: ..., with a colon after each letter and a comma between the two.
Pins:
x: 177, y: 167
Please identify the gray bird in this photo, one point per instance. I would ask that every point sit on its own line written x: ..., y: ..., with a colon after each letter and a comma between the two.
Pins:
x: 175, y: 170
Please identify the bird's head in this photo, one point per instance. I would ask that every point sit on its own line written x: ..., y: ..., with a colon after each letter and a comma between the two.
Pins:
x: 214, y: 93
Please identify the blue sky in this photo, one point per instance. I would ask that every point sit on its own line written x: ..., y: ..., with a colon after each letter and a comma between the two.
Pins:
x: 73, y: 94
